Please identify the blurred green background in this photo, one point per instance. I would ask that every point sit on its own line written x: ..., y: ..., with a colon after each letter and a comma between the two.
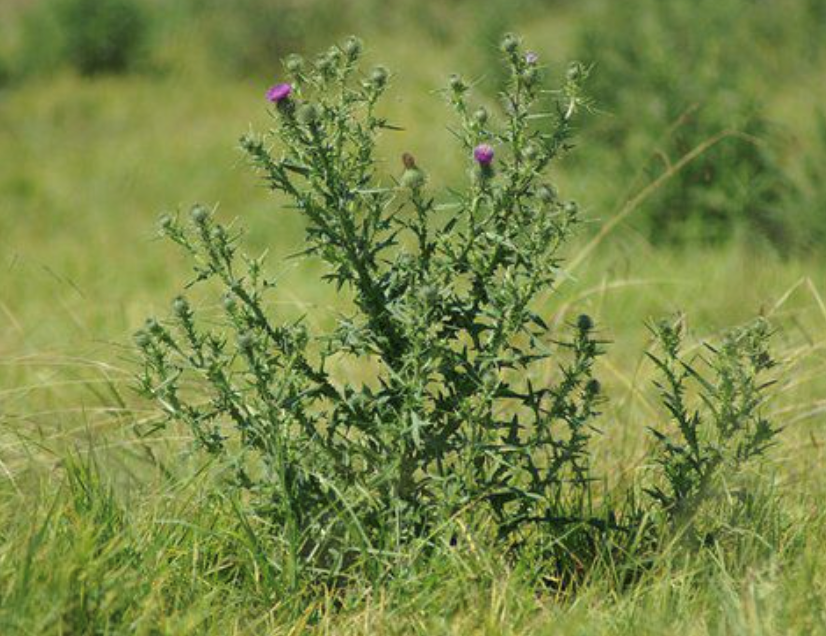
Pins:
x: 113, y: 111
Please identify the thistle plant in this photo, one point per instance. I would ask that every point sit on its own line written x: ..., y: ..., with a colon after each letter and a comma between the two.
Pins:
x: 727, y: 430
x: 455, y: 423
x: 443, y: 302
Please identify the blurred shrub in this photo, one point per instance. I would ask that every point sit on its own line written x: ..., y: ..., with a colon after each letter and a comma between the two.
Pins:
x: 102, y: 36
x: 809, y: 197
x: 675, y: 74
x: 40, y: 41
x: 91, y: 36
x: 5, y: 72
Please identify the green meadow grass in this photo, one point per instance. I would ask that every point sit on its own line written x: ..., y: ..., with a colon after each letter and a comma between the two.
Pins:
x: 110, y: 526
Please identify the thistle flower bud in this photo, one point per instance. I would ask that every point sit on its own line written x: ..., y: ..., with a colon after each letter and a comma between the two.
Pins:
x: 531, y: 58
x: 180, y: 307
x: 142, y: 339
x: 584, y: 323
x: 333, y: 55
x: 481, y: 115
x: 457, y: 84
x: 483, y: 154
x: 246, y: 341
x: 352, y: 47
x: 218, y: 234
x: 530, y: 152
x: 249, y: 143
x: 324, y: 66
x: 546, y: 194
x: 200, y: 214
x: 408, y: 160
x: 593, y: 387
x: 530, y: 75
x: 307, y: 114
x: 571, y: 209
x: 413, y: 178
x: 379, y: 76
x: 229, y: 302
x: 665, y: 329
x: 575, y: 71
x: 165, y: 222
x: 153, y: 326
x: 294, y: 64
x: 510, y: 43
x: 763, y: 360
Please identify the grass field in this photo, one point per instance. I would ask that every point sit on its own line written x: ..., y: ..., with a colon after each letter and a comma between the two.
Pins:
x: 110, y: 526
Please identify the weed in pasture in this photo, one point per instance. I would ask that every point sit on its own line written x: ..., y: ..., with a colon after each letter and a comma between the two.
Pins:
x: 450, y: 434
x: 732, y: 428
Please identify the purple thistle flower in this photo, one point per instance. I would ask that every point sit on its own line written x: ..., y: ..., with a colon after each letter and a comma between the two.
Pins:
x: 279, y: 93
x: 483, y: 153
x: 531, y: 57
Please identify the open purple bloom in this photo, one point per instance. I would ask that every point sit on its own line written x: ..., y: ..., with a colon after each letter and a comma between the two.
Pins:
x: 483, y: 153
x: 279, y: 93
x: 531, y: 57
